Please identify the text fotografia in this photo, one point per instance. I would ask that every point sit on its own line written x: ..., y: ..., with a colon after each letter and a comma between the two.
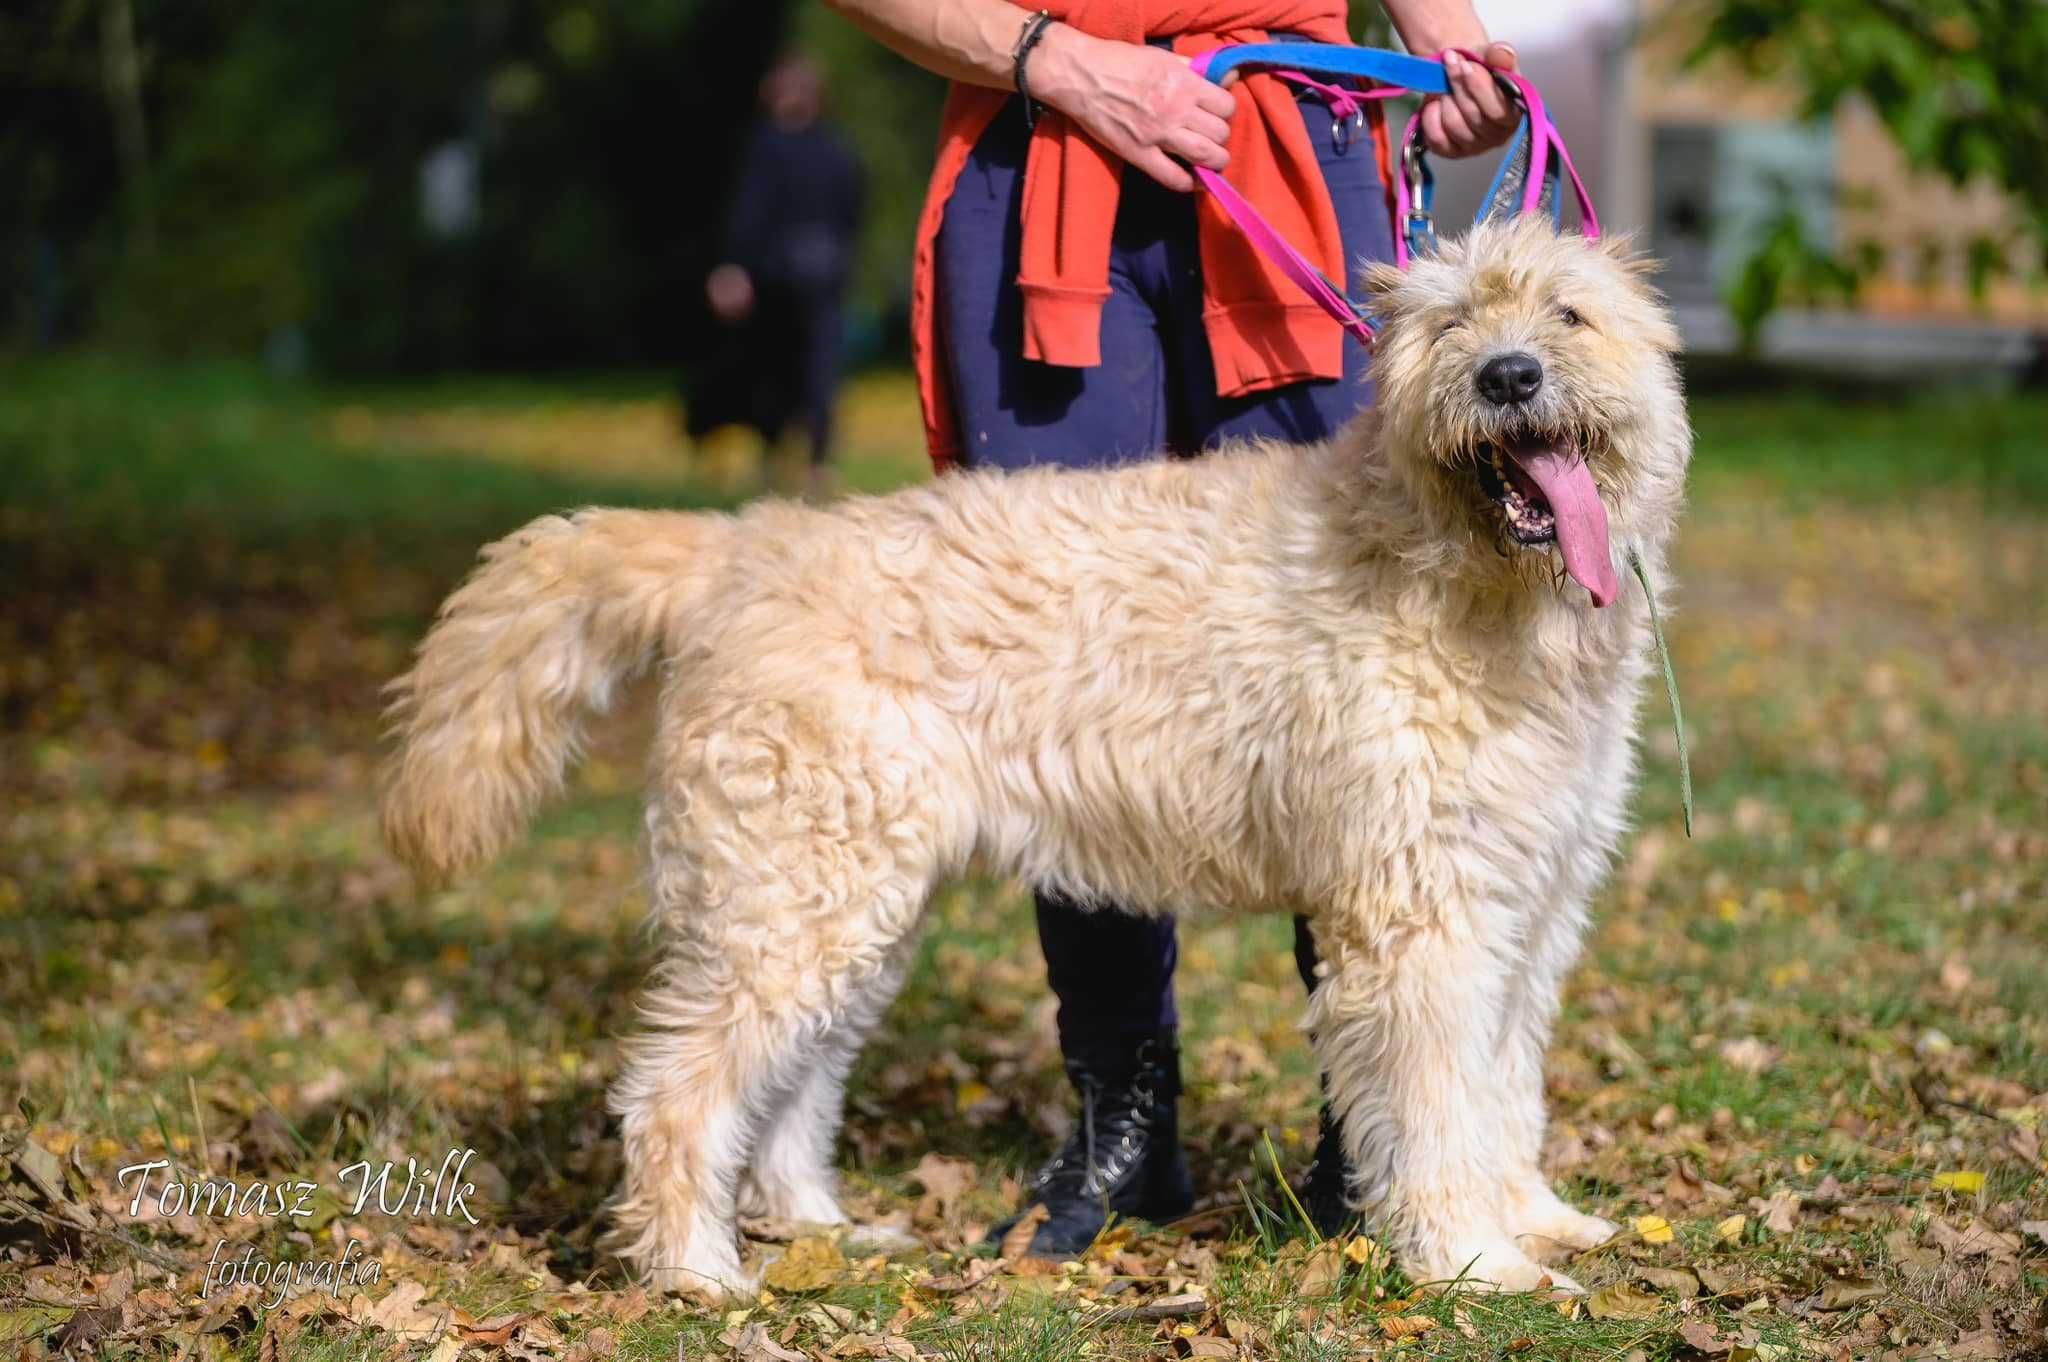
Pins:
x: 281, y: 1280
x: 412, y: 1191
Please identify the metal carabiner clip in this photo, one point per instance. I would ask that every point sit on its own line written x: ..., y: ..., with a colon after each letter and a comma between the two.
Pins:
x: 1420, y: 225
x: 1344, y: 130
x: 1411, y: 165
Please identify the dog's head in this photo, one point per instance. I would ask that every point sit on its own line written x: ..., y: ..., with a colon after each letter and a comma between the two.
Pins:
x: 1527, y: 390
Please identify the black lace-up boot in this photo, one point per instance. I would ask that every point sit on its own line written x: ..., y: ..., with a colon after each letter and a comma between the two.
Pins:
x: 1323, y: 1190
x: 1123, y: 1157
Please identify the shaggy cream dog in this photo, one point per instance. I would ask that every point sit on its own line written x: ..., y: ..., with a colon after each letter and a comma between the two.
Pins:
x: 1390, y: 682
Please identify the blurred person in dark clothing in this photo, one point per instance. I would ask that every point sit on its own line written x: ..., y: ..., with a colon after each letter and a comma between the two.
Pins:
x: 789, y: 248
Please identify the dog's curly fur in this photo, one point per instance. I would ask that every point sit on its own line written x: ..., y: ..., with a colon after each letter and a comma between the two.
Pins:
x: 1278, y: 679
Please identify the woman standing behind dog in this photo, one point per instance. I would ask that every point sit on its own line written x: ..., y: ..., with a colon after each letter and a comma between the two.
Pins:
x: 1066, y: 313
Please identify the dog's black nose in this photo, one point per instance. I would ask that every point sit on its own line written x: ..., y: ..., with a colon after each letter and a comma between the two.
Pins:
x: 1508, y: 379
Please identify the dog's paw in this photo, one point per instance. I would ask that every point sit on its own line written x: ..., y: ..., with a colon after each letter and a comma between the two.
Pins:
x: 806, y: 1201
x: 881, y: 1236
x: 706, y: 1288
x: 1544, y: 1225
x: 1495, y: 1265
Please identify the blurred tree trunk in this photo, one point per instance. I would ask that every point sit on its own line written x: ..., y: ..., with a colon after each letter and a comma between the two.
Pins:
x: 121, y: 68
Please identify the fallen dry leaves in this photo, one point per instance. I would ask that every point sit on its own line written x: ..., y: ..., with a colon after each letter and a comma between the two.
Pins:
x: 1801, y: 1059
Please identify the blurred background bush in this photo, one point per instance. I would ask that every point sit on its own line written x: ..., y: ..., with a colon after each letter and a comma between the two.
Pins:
x: 398, y: 187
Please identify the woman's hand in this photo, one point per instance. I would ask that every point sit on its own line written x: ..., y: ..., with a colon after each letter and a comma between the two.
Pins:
x: 730, y: 291
x: 1143, y: 103
x: 1477, y: 114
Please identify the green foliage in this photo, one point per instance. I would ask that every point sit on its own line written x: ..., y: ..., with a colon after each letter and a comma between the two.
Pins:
x: 1957, y: 83
x: 244, y: 186
x: 1790, y: 265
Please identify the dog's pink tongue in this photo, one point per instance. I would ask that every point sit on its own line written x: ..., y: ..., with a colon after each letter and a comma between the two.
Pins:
x: 1567, y: 484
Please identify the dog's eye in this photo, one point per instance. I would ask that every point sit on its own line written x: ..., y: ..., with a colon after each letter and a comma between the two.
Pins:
x: 1570, y: 316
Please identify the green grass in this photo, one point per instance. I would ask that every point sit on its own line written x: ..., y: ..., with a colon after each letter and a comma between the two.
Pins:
x: 208, y: 576
x: 1868, y: 447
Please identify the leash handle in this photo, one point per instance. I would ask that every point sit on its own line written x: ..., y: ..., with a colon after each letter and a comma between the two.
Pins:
x: 1401, y: 73
x: 1544, y: 138
x: 1422, y: 75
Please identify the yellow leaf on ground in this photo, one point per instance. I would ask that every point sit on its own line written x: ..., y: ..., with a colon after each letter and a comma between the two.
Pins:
x: 1361, y: 1250
x: 1780, y: 1214
x: 1622, y: 1301
x: 1406, y: 1326
x: 1320, y: 1272
x: 1961, y: 1180
x: 1730, y: 1230
x: 806, y: 1265
x: 1839, y: 1293
x: 404, y: 1311
x: 1674, y: 1280
x: 944, y: 1181
x: 1655, y: 1229
x: 594, y: 1346
x: 1017, y: 1239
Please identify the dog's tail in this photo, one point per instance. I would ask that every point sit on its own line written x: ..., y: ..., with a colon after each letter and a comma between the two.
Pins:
x: 557, y: 615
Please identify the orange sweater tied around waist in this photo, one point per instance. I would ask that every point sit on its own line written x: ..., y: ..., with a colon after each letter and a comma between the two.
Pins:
x: 1262, y: 332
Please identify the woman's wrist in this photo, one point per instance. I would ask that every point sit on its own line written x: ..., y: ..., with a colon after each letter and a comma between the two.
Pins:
x: 1432, y: 26
x: 1434, y: 39
x: 1055, y: 64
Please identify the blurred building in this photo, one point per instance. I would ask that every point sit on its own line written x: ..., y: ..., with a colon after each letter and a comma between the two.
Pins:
x: 1701, y: 161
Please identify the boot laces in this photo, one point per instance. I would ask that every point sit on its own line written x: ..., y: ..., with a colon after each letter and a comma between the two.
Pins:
x: 1084, y: 1156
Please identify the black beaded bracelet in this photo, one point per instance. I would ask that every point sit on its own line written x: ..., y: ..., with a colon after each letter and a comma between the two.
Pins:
x: 1034, y: 29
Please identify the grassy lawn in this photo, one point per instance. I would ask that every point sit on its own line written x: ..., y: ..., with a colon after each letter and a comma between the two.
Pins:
x: 1805, y: 1057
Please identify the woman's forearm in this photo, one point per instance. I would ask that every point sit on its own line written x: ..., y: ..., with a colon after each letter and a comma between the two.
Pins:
x: 1142, y: 103
x: 1433, y: 25
x: 963, y: 40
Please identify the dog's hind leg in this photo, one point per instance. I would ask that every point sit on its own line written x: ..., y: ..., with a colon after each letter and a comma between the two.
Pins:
x: 729, y: 1075
x: 791, y: 1175
x: 790, y: 875
x: 1405, y: 1025
x: 692, y: 1091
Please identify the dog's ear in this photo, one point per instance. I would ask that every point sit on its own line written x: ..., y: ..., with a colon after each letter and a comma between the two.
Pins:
x: 1621, y: 249
x: 1379, y: 281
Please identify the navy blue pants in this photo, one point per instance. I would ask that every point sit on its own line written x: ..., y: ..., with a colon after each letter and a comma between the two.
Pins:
x: 1155, y: 393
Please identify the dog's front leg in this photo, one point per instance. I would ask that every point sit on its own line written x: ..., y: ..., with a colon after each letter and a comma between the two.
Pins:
x: 1540, y: 1220
x: 1406, y: 1026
